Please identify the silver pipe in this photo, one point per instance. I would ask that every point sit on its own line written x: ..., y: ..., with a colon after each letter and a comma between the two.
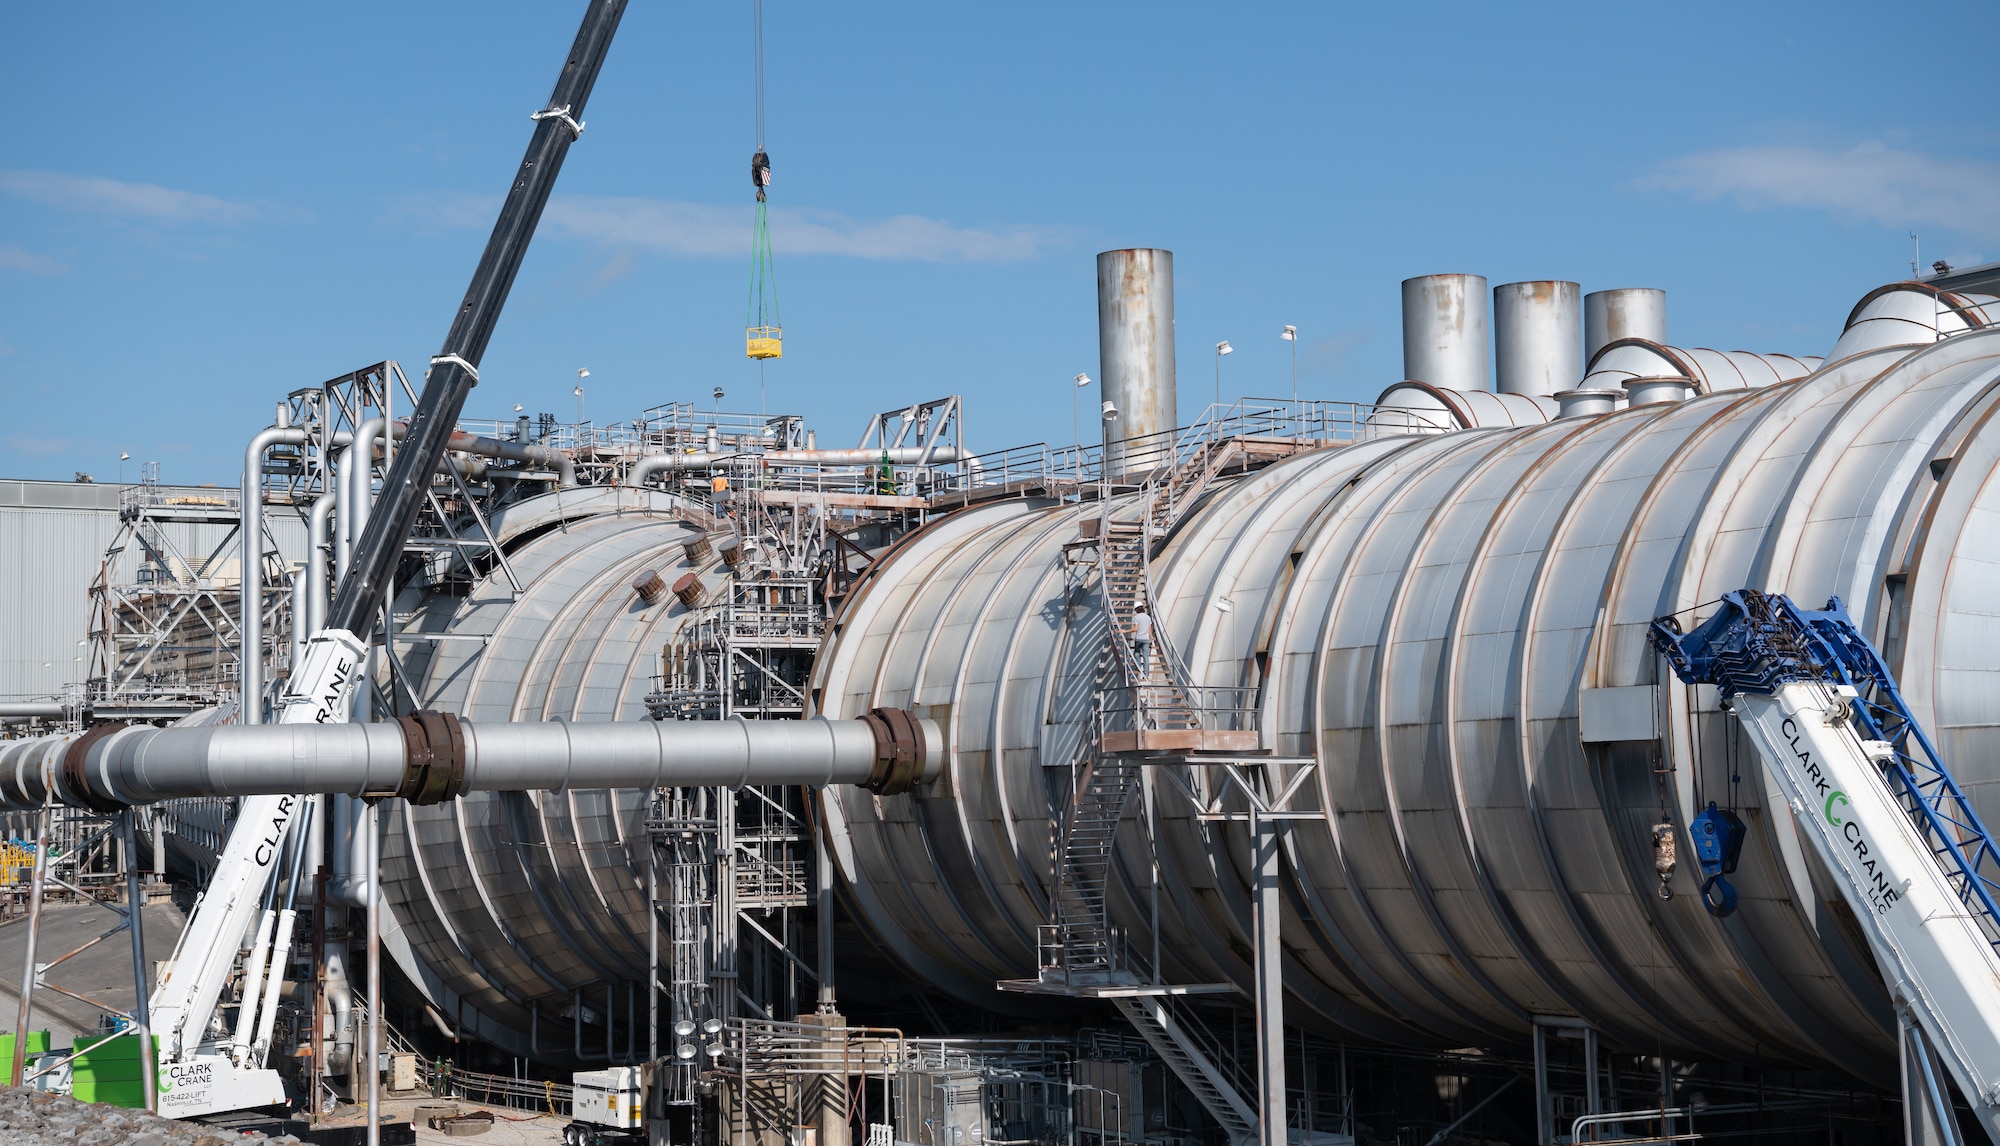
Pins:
x: 299, y: 631
x: 135, y: 903
x: 316, y: 562
x: 28, y: 709
x: 340, y: 999
x: 1444, y: 331
x: 373, y: 827
x: 899, y: 455
x: 141, y: 765
x: 645, y: 468
x: 343, y: 525
x: 347, y: 881
x: 250, y: 596
x: 25, y: 1009
x: 360, y: 477
x: 562, y: 463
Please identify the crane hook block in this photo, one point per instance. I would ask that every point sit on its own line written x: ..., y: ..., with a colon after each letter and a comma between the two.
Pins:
x: 1718, y: 844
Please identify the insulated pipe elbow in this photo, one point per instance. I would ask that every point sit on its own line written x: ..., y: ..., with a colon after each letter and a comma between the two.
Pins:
x: 562, y: 463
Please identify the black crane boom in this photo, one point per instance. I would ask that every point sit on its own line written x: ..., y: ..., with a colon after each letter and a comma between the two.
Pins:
x: 454, y: 371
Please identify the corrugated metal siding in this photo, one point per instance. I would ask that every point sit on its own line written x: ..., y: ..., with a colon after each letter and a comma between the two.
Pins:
x: 52, y: 540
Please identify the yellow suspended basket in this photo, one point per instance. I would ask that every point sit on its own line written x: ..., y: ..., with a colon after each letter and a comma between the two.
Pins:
x: 764, y: 341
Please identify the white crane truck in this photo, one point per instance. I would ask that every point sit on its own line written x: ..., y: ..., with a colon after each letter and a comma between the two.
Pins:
x: 1870, y: 794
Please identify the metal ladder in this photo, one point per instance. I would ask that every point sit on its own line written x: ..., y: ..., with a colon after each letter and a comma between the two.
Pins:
x: 1191, y: 1063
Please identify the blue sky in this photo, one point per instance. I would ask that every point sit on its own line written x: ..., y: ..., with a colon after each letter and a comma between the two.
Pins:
x: 205, y: 206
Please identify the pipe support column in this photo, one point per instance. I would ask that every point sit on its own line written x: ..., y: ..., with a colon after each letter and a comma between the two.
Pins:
x: 1270, y: 984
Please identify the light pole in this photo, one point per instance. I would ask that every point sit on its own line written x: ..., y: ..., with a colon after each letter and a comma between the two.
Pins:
x: 1075, y: 422
x: 1110, y: 413
x: 581, y: 374
x: 1215, y: 416
x: 123, y: 457
x: 1291, y: 335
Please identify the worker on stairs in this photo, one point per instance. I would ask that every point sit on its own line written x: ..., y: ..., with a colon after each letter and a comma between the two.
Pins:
x: 1142, y: 642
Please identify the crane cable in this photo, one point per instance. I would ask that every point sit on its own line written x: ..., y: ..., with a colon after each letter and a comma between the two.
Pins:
x: 763, y: 330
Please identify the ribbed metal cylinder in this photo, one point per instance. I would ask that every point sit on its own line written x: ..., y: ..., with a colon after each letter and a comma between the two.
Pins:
x: 1628, y: 312
x: 1444, y: 331
x: 1135, y: 351
x: 1430, y: 618
x: 1537, y: 337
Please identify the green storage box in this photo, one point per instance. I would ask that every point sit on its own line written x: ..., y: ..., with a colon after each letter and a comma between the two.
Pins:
x: 107, y: 1069
x: 38, y: 1043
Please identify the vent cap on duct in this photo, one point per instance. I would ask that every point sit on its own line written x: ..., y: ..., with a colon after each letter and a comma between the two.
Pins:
x: 1586, y: 403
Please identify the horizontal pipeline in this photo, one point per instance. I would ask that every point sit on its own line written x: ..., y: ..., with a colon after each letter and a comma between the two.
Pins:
x: 645, y: 468
x: 45, y: 709
x: 432, y: 757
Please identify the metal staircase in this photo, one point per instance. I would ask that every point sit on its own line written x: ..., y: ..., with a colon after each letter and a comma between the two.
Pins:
x: 1165, y: 707
x: 1144, y: 706
x: 1081, y: 946
x: 1194, y: 1064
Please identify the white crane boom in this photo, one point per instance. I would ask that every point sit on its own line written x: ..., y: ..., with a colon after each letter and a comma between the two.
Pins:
x: 1868, y: 792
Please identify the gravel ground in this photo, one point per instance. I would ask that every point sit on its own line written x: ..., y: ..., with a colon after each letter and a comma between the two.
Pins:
x: 29, y: 1117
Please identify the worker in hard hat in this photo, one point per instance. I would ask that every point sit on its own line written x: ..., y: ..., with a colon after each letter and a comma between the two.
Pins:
x: 719, y: 495
x: 1142, y: 640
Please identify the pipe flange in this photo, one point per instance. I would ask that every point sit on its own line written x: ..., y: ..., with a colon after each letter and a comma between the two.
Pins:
x: 899, y: 750
x: 433, y: 757
x: 76, y: 768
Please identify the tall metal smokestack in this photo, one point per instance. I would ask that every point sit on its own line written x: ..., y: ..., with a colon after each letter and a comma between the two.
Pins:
x: 1537, y: 336
x: 1629, y: 312
x: 1444, y: 331
x: 1135, y: 354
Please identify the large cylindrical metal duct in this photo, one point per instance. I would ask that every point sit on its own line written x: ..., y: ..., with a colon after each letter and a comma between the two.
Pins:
x: 1627, y: 312
x: 1419, y: 407
x: 1911, y: 314
x: 1453, y: 628
x: 1135, y: 355
x: 1537, y: 336
x: 1444, y: 331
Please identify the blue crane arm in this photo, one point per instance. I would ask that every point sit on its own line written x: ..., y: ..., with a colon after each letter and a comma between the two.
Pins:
x: 1755, y: 641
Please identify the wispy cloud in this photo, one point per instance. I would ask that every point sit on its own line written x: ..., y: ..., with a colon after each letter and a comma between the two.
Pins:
x: 706, y: 231
x: 36, y: 445
x: 27, y: 262
x: 119, y: 199
x: 1872, y: 181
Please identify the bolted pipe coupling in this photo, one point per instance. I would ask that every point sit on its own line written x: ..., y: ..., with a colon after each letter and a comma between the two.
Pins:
x: 77, y: 788
x: 433, y: 758
x: 900, y: 750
